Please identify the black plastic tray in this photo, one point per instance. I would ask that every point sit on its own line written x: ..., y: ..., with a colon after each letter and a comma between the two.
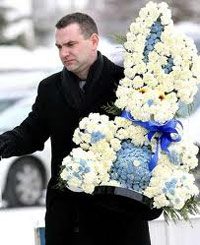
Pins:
x: 119, y: 191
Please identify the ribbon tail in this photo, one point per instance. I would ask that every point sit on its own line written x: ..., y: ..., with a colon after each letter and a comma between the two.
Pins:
x: 165, y: 142
x: 154, y: 159
x: 150, y: 135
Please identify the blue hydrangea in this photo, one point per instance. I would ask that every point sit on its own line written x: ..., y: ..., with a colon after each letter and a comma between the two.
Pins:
x: 129, y: 175
x: 174, y: 157
x: 150, y: 102
x: 96, y: 136
x: 82, y: 169
x: 168, y: 67
x: 153, y: 38
x: 170, y: 186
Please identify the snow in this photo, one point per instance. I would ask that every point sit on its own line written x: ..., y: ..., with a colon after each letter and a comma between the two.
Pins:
x: 191, y: 126
x: 17, y: 225
x: 20, y: 7
x: 189, y: 28
x: 18, y: 58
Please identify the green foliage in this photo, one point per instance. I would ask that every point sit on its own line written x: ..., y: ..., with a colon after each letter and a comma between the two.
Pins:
x: 112, y: 109
x: 191, y: 207
x: 61, y: 183
x: 119, y: 38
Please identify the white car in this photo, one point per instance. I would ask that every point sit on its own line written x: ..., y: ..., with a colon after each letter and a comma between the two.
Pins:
x: 23, y: 179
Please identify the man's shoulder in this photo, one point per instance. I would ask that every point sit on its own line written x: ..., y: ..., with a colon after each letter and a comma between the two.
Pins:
x: 113, y: 67
x: 51, y: 80
x: 113, y: 70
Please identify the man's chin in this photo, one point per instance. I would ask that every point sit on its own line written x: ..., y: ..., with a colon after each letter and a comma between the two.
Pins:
x: 70, y: 68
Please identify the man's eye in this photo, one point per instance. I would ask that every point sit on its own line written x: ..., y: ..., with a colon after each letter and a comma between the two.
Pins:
x: 71, y: 44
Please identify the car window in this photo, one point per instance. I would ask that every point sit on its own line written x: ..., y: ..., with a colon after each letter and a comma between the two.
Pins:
x: 13, y: 117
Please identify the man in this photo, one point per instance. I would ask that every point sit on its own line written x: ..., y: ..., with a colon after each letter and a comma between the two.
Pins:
x: 86, y: 83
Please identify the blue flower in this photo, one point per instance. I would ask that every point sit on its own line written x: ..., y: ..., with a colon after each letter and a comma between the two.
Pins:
x: 150, y: 102
x: 174, y: 157
x: 170, y: 186
x: 124, y: 171
x: 77, y: 175
x: 153, y: 38
x: 168, y: 67
x: 82, y: 162
x: 81, y: 168
x: 96, y: 136
x: 149, y: 47
x: 87, y: 170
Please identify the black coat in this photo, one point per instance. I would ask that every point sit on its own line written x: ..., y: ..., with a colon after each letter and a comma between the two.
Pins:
x: 59, y: 106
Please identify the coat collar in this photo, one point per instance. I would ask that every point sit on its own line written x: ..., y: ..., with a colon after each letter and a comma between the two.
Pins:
x: 71, y: 91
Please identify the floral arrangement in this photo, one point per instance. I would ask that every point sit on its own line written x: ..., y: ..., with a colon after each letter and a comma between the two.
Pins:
x: 145, y: 148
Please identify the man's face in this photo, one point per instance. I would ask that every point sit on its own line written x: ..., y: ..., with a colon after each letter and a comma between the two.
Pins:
x: 76, y: 52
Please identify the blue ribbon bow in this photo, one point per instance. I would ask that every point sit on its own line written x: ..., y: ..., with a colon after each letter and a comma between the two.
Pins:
x: 165, y: 130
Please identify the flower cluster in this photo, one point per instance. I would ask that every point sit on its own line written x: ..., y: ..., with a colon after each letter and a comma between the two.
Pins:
x: 98, y: 160
x: 172, y: 184
x: 171, y: 187
x: 118, y: 152
x: 161, y: 67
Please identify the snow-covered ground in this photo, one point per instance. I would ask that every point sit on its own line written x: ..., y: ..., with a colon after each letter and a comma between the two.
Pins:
x: 17, y: 58
x: 17, y: 225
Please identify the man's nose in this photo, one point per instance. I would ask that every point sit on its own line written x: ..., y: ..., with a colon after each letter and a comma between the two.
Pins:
x: 64, y: 52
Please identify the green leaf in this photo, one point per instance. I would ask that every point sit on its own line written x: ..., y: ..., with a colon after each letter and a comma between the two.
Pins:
x: 191, y: 207
x: 61, y: 183
x: 119, y: 38
x: 112, y: 109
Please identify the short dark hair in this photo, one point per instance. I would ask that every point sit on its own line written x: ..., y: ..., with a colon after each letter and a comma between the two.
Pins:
x: 86, y: 23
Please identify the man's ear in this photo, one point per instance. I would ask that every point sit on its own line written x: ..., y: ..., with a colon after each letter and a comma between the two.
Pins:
x: 95, y: 40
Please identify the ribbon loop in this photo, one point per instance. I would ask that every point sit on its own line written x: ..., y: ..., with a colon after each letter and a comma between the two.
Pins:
x: 164, y: 130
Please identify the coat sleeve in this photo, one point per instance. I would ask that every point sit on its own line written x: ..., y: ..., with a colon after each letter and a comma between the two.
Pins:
x: 31, y: 134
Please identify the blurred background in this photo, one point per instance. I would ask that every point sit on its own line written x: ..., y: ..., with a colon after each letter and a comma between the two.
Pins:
x: 28, y: 54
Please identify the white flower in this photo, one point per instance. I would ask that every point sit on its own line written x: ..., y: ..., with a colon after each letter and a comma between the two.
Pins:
x: 122, y: 122
x: 135, y: 28
x: 111, y: 183
x: 74, y: 182
x: 63, y: 174
x: 115, y: 144
x: 161, y: 201
x: 129, y: 72
x: 88, y: 188
x: 136, y: 163
x: 138, y: 82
